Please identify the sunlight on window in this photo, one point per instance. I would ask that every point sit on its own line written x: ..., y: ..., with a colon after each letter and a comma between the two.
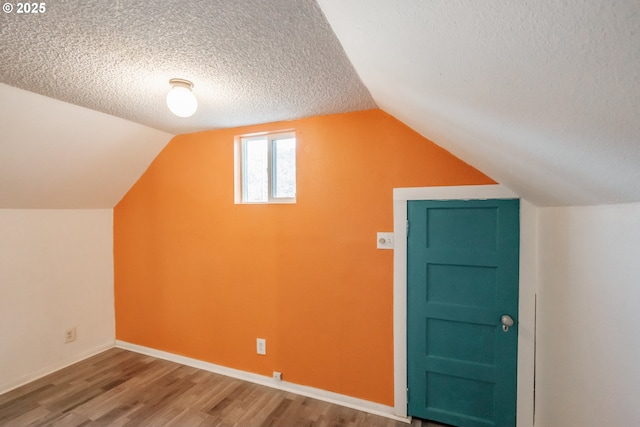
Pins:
x: 268, y: 168
x: 284, y: 165
x: 256, y: 182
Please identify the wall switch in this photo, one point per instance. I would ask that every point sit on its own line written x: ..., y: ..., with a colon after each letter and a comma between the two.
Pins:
x: 277, y: 376
x: 385, y: 240
x: 70, y: 335
x: 261, y: 346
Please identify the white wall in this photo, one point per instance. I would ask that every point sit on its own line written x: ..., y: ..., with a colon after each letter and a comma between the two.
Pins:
x: 588, y: 347
x: 56, y: 271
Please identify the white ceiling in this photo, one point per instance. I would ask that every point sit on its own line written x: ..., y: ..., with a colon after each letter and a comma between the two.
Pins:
x: 542, y: 95
x: 56, y: 155
x: 251, y: 61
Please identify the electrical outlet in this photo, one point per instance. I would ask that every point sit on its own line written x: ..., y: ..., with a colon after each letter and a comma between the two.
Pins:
x: 277, y: 376
x: 385, y: 240
x: 261, y: 346
x: 70, y: 335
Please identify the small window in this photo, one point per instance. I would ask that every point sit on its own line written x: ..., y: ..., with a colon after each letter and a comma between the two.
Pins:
x: 268, y: 168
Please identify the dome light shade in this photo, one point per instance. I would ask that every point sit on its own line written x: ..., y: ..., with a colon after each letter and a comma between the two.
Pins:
x: 180, y: 99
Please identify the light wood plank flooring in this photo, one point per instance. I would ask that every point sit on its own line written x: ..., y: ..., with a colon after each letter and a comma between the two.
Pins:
x: 122, y: 388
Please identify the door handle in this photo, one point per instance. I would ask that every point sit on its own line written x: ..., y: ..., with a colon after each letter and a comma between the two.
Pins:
x: 506, y: 321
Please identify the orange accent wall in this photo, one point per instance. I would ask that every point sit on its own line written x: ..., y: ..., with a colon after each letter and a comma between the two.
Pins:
x: 200, y: 276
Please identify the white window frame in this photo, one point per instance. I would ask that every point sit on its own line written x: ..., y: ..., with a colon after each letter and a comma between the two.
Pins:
x: 241, y: 172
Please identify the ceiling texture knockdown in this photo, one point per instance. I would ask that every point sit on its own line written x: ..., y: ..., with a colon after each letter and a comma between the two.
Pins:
x: 251, y: 61
x: 543, y: 96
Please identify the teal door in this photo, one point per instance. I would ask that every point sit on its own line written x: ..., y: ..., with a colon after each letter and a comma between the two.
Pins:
x: 462, y: 278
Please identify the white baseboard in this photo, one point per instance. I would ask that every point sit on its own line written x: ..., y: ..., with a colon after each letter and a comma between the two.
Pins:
x: 315, y: 393
x: 33, y: 376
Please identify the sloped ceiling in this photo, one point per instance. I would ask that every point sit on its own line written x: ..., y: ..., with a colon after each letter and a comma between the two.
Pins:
x: 251, y: 61
x: 56, y: 155
x: 544, y: 95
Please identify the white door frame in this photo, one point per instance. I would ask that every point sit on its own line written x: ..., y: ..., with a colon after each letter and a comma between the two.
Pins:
x: 528, y: 242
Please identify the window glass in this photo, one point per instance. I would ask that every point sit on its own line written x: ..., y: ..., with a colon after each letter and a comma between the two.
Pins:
x: 284, y: 168
x: 267, y: 172
x: 256, y: 173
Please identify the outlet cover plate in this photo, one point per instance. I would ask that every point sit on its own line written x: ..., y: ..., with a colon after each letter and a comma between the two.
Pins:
x: 385, y: 240
x: 70, y: 335
x: 261, y: 346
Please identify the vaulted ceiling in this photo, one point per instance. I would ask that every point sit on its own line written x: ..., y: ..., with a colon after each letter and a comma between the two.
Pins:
x: 543, y: 96
x: 55, y: 155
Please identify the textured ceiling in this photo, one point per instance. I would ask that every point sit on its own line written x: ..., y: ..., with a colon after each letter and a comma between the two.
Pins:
x: 544, y: 95
x: 56, y: 155
x: 251, y: 61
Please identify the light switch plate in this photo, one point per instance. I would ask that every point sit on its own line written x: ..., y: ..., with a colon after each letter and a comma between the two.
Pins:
x: 261, y: 346
x: 385, y: 240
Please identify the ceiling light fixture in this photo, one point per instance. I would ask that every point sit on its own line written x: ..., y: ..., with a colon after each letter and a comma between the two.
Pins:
x: 180, y: 99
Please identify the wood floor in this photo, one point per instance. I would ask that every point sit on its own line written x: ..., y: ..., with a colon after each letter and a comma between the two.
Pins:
x: 122, y: 388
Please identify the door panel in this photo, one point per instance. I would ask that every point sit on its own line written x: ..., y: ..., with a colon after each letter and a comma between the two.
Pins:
x: 462, y: 276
